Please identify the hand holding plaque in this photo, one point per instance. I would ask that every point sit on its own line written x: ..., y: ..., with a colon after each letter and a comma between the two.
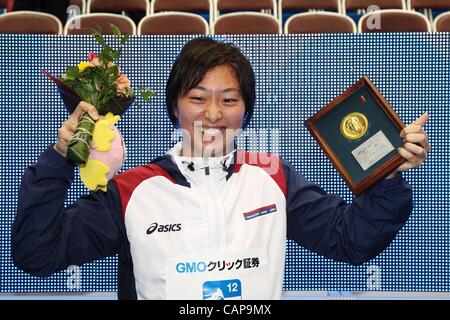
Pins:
x: 360, y: 133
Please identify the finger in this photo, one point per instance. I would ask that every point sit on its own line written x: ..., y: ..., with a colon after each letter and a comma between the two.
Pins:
x: 65, y: 135
x: 412, y: 128
x: 412, y: 160
x: 78, y: 111
x: 404, y: 167
x: 416, y: 150
x: 417, y: 138
x: 406, y: 154
x: 83, y: 106
x: 70, y: 124
x: 422, y: 119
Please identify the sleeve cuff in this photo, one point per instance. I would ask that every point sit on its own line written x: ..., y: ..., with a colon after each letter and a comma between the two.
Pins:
x: 53, y: 156
x: 393, y: 181
x: 59, y: 165
x: 389, y: 184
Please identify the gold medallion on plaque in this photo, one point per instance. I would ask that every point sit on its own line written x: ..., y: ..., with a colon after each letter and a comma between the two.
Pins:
x: 354, y: 125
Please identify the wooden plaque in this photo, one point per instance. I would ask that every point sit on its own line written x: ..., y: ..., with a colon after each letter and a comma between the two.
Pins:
x: 360, y: 133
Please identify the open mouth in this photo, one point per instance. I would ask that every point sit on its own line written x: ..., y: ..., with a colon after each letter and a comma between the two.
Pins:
x: 212, y: 135
x: 211, y: 132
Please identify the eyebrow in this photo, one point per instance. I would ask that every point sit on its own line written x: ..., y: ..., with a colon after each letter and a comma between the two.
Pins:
x: 225, y: 90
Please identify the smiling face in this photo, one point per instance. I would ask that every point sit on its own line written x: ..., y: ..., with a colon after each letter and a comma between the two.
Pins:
x: 211, y: 114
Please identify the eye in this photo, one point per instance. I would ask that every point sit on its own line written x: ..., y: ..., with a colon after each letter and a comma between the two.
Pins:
x: 196, y: 99
x: 230, y: 101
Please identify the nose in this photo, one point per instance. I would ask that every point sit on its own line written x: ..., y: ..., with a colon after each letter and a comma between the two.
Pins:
x: 213, y: 112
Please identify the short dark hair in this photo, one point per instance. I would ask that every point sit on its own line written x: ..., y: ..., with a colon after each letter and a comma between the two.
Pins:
x: 195, y: 59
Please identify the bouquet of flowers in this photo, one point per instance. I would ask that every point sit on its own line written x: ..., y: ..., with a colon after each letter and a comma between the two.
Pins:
x: 99, y: 82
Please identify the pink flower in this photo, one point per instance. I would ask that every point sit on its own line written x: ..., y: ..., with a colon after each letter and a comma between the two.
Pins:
x: 95, y: 61
x: 92, y: 56
x: 123, y: 83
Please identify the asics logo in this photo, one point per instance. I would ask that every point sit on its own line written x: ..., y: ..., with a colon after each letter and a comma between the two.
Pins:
x: 163, y: 227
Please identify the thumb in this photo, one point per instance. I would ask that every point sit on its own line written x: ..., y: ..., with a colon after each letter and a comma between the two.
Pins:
x: 422, y: 119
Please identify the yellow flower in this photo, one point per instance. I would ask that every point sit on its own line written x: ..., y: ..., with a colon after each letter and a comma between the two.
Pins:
x: 112, y: 119
x: 93, y: 175
x: 103, y: 134
x: 83, y: 65
x: 94, y: 172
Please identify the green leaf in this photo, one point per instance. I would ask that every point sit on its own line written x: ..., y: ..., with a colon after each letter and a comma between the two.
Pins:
x: 124, y: 39
x: 97, y: 30
x: 129, y: 92
x: 115, y: 54
x: 95, y: 99
x: 114, y: 88
x: 72, y: 72
x: 99, y: 39
x: 88, y: 87
x: 115, y: 71
x: 97, y: 83
x: 103, y: 77
x: 105, y: 55
x: 146, y: 93
x: 115, y: 30
x: 82, y: 93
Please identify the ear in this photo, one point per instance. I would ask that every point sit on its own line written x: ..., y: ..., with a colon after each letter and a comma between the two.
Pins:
x: 177, y: 118
x: 175, y: 113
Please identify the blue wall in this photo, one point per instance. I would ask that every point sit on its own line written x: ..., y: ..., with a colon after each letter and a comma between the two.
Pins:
x: 296, y: 76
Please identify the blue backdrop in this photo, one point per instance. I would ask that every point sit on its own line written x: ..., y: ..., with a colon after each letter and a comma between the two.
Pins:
x: 296, y: 76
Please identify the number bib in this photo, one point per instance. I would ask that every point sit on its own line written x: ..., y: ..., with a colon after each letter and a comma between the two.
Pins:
x: 241, y: 275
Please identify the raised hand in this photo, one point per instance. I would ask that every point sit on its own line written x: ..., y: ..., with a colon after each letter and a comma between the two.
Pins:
x: 67, y: 129
x: 416, y: 145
